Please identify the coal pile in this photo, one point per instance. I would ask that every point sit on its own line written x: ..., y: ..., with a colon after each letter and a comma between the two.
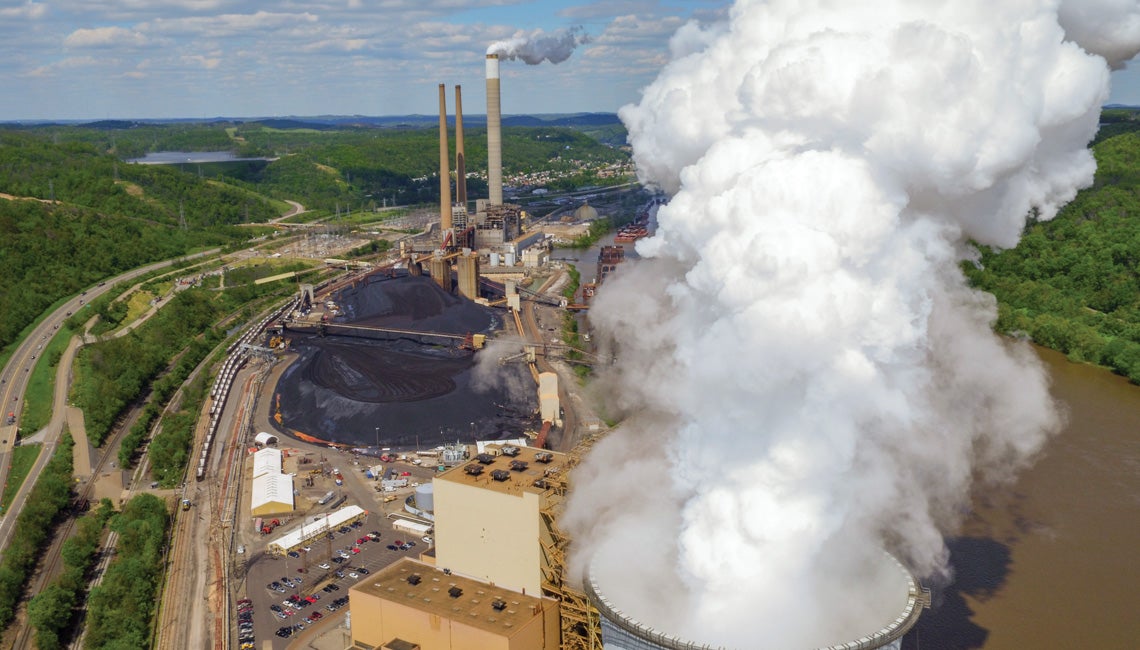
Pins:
x: 412, y: 303
x: 341, y: 388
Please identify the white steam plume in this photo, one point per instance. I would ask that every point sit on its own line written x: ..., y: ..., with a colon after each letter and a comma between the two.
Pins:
x: 537, y: 46
x: 809, y: 376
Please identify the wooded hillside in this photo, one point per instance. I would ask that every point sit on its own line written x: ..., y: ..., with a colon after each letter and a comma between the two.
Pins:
x: 1072, y: 283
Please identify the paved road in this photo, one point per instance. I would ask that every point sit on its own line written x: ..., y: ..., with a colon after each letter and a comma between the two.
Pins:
x: 15, y: 379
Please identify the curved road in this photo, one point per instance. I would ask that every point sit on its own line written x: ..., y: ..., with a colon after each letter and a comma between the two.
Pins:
x: 15, y: 379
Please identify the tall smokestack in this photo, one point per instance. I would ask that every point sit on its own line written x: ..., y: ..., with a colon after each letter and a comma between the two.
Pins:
x: 444, y: 168
x: 460, y: 161
x: 494, y: 133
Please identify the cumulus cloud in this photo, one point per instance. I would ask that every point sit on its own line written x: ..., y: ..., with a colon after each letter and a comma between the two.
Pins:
x: 224, y: 25
x: 26, y: 11
x: 105, y: 37
x: 206, y: 62
x: 819, y: 382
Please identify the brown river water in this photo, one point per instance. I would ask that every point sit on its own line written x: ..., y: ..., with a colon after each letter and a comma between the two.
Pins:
x: 1053, y: 561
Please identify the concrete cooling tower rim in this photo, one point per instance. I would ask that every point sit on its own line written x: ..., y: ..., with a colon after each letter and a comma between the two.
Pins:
x: 917, y: 600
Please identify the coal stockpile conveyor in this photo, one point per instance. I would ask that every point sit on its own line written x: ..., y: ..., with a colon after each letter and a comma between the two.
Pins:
x: 377, y: 333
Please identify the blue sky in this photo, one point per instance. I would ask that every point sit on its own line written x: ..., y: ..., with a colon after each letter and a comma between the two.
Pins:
x: 98, y: 59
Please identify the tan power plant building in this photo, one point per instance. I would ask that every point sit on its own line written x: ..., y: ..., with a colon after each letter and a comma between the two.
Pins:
x: 488, y: 519
x: 489, y: 539
x: 414, y: 606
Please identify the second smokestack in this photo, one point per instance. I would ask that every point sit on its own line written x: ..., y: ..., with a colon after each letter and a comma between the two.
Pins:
x: 460, y: 161
x: 444, y: 168
x: 494, y: 133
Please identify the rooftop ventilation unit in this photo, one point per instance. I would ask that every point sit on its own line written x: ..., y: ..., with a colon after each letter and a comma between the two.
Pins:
x: 510, y: 450
x: 518, y: 465
x: 499, y: 605
x: 414, y: 579
x: 501, y: 475
x: 486, y: 459
x: 473, y: 470
x: 455, y: 592
x: 543, y: 457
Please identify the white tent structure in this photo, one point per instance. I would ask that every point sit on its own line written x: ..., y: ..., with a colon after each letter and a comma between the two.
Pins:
x: 264, y: 439
x: 267, y: 461
x: 272, y: 494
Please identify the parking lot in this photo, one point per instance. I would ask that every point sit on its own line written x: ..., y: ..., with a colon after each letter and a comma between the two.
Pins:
x: 288, y: 594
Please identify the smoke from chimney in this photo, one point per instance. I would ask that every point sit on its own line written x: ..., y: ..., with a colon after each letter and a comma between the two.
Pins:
x: 806, y: 375
x: 537, y: 46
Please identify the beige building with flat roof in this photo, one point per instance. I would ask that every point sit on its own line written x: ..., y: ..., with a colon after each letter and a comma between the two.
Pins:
x: 488, y: 522
x: 411, y: 605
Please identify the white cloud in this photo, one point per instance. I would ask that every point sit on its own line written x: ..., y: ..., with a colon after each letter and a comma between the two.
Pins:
x: 208, y: 63
x: 229, y: 24
x: 336, y: 45
x: 357, y: 51
x: 28, y: 11
x: 610, y: 9
x: 104, y: 37
x: 65, y: 64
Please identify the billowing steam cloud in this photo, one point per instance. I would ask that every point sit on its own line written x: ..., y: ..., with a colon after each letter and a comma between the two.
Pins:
x: 537, y: 46
x: 809, y: 378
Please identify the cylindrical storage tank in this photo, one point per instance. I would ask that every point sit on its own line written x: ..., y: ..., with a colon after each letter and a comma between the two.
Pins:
x: 494, y: 259
x: 623, y: 630
x: 425, y: 499
x: 510, y: 259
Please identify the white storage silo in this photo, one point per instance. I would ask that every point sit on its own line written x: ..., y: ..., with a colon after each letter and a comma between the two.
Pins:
x: 425, y: 498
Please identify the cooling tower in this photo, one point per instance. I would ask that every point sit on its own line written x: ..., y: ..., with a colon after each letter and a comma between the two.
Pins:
x: 444, y: 169
x: 460, y: 162
x: 622, y: 630
x: 494, y: 133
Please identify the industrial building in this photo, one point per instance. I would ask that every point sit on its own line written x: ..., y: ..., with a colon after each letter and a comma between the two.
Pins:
x: 621, y: 631
x: 411, y: 605
x: 548, y: 403
x: 491, y: 534
x: 488, y: 519
x: 317, y: 527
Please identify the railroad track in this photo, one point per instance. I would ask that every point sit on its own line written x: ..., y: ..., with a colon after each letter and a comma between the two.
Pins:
x: 50, y: 564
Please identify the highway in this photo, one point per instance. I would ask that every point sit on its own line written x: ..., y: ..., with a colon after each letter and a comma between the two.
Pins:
x: 15, y: 380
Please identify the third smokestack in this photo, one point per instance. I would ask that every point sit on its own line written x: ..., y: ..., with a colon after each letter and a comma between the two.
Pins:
x: 494, y: 133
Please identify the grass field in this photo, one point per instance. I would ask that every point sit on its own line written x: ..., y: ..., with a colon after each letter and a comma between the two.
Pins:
x: 37, y: 398
x: 23, y: 457
x: 137, y: 304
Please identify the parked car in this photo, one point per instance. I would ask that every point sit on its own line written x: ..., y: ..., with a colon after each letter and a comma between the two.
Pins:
x: 324, y: 565
x: 363, y: 571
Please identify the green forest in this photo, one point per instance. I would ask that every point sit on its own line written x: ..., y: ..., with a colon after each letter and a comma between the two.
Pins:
x: 1072, y: 283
